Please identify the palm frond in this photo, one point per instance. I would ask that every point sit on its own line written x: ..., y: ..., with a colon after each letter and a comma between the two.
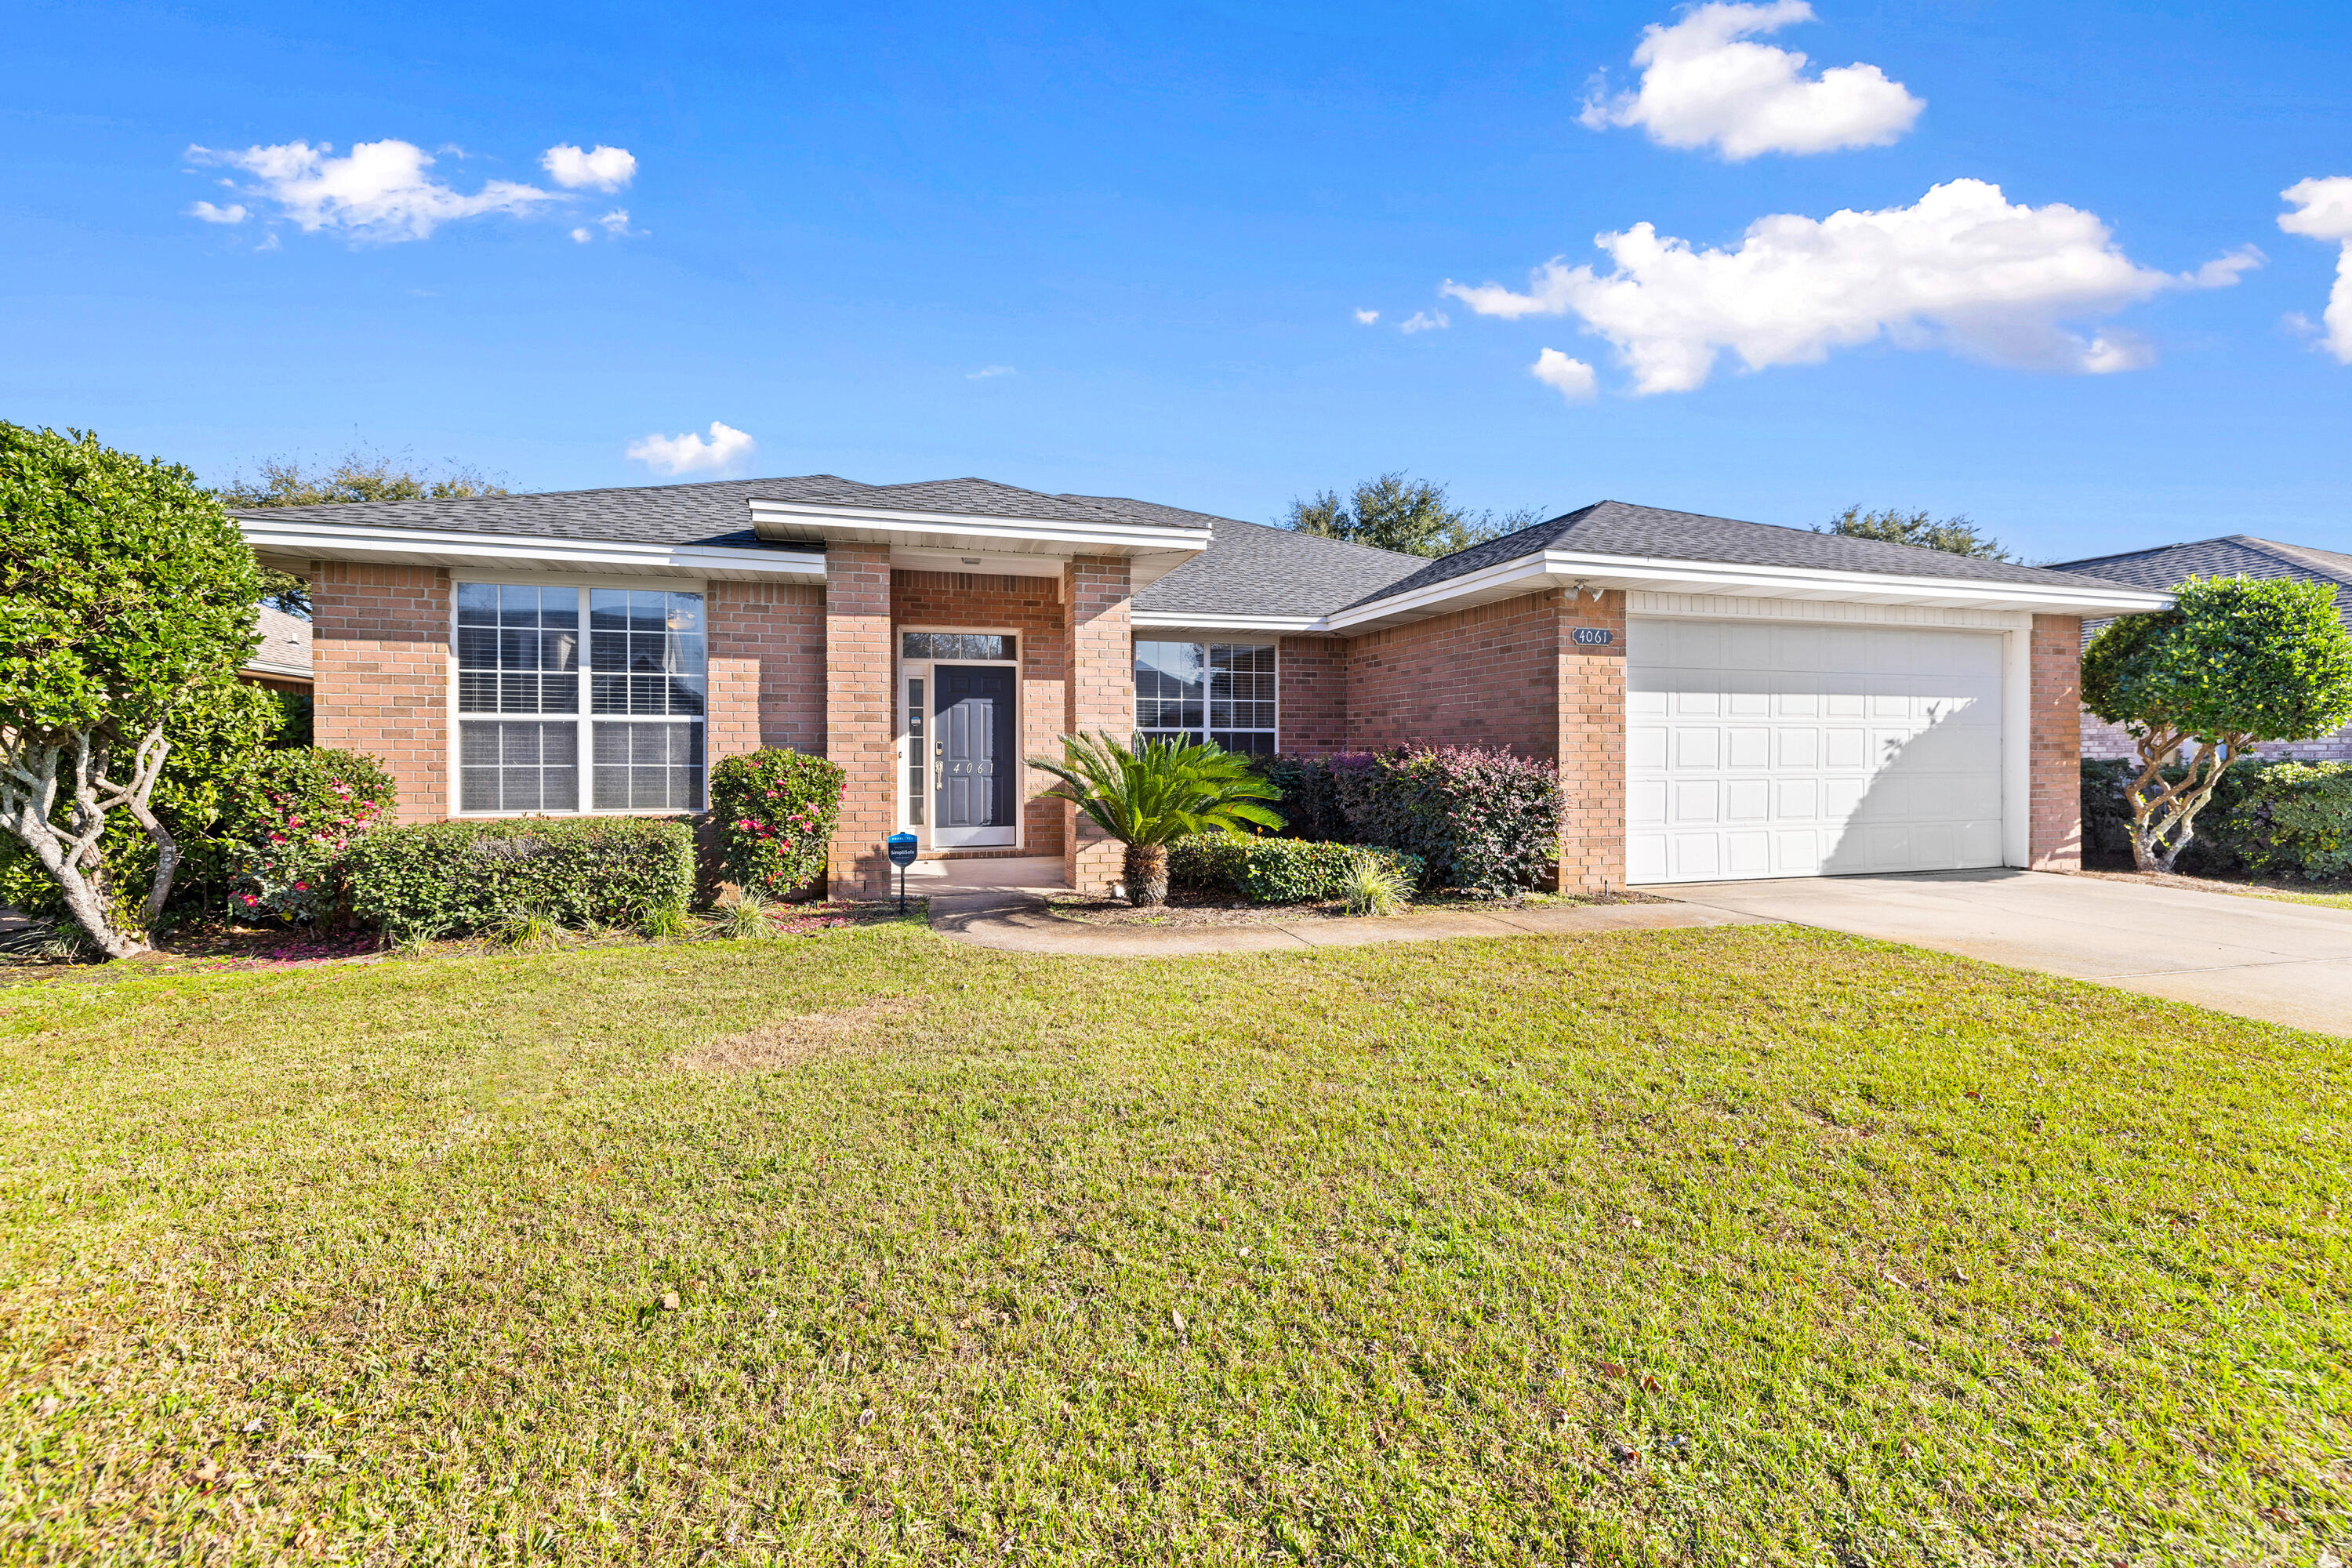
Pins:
x: 1156, y: 791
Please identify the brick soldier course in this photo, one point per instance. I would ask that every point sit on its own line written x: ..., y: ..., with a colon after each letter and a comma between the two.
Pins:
x: 808, y: 585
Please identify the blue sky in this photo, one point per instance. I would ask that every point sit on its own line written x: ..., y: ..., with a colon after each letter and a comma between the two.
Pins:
x: 1155, y: 227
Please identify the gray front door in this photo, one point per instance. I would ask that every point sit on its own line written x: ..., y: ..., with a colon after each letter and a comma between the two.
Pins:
x: 976, y: 768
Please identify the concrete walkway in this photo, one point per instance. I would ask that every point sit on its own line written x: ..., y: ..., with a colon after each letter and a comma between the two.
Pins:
x: 1002, y: 904
x: 2259, y: 958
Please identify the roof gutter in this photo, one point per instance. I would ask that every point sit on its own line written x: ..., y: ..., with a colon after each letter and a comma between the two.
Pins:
x: 520, y: 552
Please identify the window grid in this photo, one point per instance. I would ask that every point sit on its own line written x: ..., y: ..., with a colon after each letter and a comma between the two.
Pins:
x: 1222, y: 692
x: 519, y: 653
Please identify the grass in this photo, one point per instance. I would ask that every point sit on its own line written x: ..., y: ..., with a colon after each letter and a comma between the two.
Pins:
x: 1746, y: 1245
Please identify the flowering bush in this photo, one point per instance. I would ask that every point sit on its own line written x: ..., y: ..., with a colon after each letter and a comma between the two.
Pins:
x: 773, y: 812
x: 295, y: 827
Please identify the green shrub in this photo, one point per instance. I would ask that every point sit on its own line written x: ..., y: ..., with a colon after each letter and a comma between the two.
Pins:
x: 773, y: 812
x: 460, y: 878
x: 1373, y: 886
x: 1210, y: 862
x: 292, y: 826
x: 1279, y: 870
x: 1292, y: 870
x: 1310, y: 797
x: 2295, y: 819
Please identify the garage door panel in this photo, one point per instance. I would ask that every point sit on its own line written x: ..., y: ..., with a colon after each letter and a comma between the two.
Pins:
x: 1788, y: 751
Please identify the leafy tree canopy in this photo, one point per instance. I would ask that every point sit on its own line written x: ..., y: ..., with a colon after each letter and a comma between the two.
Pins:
x: 2235, y: 662
x: 362, y: 474
x: 1954, y: 535
x: 126, y: 602
x: 1409, y: 516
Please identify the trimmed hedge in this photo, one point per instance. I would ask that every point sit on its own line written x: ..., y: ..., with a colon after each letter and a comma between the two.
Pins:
x: 774, y: 810
x: 458, y: 878
x: 2293, y: 819
x: 1275, y: 871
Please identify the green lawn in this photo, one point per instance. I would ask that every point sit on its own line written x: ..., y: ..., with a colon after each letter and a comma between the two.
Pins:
x: 1747, y: 1245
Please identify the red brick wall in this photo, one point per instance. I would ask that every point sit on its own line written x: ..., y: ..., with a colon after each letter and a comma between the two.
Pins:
x: 1483, y: 676
x: 1311, y: 687
x: 380, y: 660
x: 1593, y: 745
x: 1032, y: 607
x: 2055, y: 745
x: 857, y: 713
x: 2101, y: 739
x: 767, y: 667
x: 1099, y: 694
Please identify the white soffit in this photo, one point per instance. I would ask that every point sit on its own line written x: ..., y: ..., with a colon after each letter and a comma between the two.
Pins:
x: 296, y: 542
x: 970, y: 534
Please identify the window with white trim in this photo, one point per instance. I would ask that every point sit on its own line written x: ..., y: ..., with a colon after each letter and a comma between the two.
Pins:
x: 1207, y: 691
x: 639, y: 696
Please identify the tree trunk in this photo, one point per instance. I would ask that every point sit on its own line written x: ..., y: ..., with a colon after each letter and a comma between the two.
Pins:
x: 1147, y: 875
x: 28, y: 797
x: 2164, y: 814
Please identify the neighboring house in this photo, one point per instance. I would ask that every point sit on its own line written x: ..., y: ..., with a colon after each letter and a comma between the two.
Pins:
x: 1724, y: 699
x: 2233, y: 555
x: 282, y: 662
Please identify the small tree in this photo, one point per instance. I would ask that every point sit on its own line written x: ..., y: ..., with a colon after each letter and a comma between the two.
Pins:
x: 1154, y: 793
x: 2235, y: 662
x: 362, y: 474
x: 126, y: 599
x: 1954, y: 535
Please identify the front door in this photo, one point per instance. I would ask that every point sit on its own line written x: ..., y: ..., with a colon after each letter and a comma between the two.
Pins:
x: 974, y: 770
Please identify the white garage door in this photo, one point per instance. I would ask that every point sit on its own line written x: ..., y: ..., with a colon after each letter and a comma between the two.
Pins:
x: 1789, y: 750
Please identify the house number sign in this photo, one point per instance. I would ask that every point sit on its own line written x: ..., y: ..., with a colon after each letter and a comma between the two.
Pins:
x: 1596, y: 634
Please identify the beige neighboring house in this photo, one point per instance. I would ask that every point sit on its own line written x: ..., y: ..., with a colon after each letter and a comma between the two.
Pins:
x: 282, y: 662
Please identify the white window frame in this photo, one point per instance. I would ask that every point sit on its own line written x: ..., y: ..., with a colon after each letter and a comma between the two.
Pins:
x: 910, y: 669
x: 580, y: 717
x: 1205, y: 644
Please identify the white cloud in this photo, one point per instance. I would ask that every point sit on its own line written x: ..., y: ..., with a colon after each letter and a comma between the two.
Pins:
x: 1367, y: 318
x: 603, y: 169
x: 233, y: 213
x: 987, y: 372
x: 1963, y: 269
x: 2323, y: 210
x: 581, y: 236
x: 617, y: 223
x: 380, y: 191
x: 1571, y: 378
x: 1703, y: 83
x: 690, y: 454
x: 1422, y: 321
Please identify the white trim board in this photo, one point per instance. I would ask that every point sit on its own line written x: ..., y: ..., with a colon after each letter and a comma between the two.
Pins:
x: 465, y: 551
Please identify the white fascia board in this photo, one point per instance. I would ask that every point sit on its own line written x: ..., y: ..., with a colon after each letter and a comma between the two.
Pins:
x: 1190, y: 620
x: 270, y: 667
x: 950, y: 531
x: 1564, y: 568
x: 449, y: 547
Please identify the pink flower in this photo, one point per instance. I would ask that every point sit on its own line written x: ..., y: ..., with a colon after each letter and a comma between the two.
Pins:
x: 301, y: 886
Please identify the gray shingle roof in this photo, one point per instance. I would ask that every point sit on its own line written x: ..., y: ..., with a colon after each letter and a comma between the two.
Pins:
x: 717, y: 511
x: 1614, y: 528
x: 2231, y: 555
x: 1254, y: 570
x: 285, y: 639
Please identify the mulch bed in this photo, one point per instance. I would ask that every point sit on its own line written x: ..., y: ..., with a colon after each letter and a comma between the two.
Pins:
x: 2240, y: 886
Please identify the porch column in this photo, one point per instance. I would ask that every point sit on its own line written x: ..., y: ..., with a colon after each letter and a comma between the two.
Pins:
x: 1593, y: 744
x: 858, y: 715
x: 1098, y: 695
x: 2054, y: 746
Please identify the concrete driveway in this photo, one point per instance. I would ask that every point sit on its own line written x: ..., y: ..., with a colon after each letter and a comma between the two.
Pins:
x: 2259, y: 958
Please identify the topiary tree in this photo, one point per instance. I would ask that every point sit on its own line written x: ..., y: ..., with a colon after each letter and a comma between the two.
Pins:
x: 2235, y: 662
x: 126, y: 601
x: 1153, y: 792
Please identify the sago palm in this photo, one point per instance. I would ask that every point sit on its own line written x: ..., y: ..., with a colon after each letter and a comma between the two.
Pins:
x: 1154, y: 791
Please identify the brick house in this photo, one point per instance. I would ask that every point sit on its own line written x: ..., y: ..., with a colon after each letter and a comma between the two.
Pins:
x: 1724, y: 698
x: 2233, y: 555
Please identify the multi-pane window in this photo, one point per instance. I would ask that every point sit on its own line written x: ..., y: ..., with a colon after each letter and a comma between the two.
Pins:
x: 1216, y: 691
x: 639, y: 696
x: 999, y: 645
